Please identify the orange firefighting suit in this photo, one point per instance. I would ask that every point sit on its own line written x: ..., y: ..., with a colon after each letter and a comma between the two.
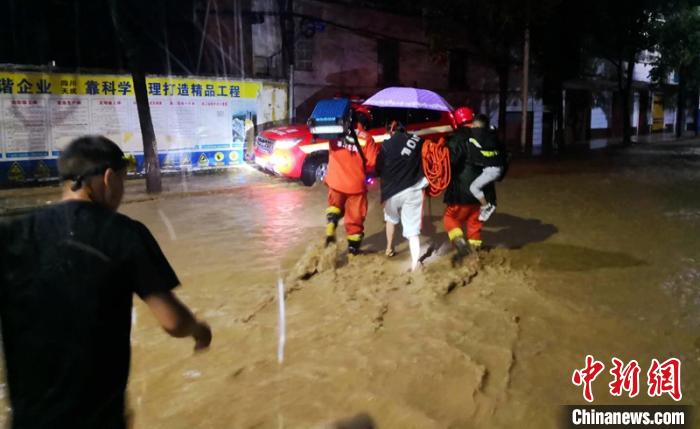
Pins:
x: 462, y: 206
x: 347, y: 190
x: 458, y: 216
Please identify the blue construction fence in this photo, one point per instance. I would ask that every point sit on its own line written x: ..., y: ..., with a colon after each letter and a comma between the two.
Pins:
x: 36, y: 171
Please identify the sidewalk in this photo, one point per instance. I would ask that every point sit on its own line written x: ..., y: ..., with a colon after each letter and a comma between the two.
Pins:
x: 21, y: 200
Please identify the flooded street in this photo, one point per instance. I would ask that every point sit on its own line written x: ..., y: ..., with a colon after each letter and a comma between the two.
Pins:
x: 597, y: 256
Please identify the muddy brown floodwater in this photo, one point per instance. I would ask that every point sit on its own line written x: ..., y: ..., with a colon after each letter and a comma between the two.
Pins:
x: 597, y: 256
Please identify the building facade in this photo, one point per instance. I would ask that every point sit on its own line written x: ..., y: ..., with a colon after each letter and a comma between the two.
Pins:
x: 344, y: 48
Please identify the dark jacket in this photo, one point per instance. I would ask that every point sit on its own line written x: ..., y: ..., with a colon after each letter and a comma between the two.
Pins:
x: 464, y: 171
x: 399, y: 163
x: 486, y: 149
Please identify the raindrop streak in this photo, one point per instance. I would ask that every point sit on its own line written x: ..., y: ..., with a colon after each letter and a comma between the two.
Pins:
x: 282, y: 322
x: 168, y: 225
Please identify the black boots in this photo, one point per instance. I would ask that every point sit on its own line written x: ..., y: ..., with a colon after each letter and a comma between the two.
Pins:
x: 354, y: 246
x: 462, y: 247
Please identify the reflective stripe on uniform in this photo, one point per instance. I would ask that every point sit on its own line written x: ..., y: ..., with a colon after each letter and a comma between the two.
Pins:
x: 454, y: 233
x: 485, y: 153
x: 355, y: 237
x: 475, y: 243
x: 330, y: 229
x: 333, y: 210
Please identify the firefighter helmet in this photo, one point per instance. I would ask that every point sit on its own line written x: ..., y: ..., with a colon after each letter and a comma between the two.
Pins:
x: 463, y: 115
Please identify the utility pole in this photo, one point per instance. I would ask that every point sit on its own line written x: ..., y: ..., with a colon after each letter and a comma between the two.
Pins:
x: 289, y: 15
x: 291, y: 93
x: 526, y: 77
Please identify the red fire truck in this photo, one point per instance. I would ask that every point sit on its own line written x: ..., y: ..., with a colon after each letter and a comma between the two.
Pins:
x: 291, y: 151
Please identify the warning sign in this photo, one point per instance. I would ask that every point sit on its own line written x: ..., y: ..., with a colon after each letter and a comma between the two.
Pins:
x: 168, y: 161
x: 42, y: 171
x: 130, y: 162
x: 219, y: 158
x: 233, y: 156
x: 16, y: 173
x: 203, y: 160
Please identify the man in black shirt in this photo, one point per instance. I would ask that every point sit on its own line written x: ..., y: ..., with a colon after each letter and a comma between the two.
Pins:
x: 399, y: 165
x: 67, y: 276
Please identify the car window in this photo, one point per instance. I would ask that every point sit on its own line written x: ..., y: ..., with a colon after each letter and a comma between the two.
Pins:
x: 418, y: 116
x: 381, y: 116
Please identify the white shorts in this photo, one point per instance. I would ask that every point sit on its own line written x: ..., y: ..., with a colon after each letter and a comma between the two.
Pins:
x: 407, y: 207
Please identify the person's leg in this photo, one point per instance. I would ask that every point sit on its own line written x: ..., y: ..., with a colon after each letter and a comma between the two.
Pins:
x: 476, y: 187
x: 414, y: 246
x: 452, y: 222
x: 334, y: 212
x: 390, y: 230
x: 412, y: 220
x: 392, y: 218
x: 455, y: 215
x: 488, y: 175
x: 474, y: 226
x: 355, y: 213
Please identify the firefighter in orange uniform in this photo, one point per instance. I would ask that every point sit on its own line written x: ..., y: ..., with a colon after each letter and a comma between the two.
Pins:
x: 462, y: 207
x: 348, y: 166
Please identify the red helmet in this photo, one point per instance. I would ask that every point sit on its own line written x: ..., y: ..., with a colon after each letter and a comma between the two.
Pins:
x: 463, y: 115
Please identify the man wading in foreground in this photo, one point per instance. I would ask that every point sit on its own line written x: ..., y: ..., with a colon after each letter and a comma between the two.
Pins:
x: 67, y: 275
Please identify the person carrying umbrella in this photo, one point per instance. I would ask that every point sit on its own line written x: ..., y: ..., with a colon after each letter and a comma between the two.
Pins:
x: 348, y: 164
x: 399, y: 166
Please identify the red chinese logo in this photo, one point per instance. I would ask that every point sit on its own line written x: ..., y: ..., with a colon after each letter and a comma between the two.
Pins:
x: 587, y: 375
x: 665, y: 378
x: 661, y: 378
x: 626, y: 378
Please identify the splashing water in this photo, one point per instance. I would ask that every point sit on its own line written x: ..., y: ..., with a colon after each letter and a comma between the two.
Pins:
x: 282, y: 323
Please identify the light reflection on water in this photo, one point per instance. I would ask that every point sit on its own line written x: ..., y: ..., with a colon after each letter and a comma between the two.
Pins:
x: 246, y: 229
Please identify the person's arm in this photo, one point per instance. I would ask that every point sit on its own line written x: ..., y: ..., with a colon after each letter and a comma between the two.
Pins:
x: 154, y: 280
x: 177, y: 320
x: 379, y: 162
x: 371, y: 153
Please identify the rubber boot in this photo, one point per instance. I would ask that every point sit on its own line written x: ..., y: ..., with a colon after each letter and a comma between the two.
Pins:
x: 331, y: 225
x: 462, y: 247
x: 354, y: 244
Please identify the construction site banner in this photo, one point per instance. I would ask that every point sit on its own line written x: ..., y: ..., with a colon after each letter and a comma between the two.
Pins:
x: 199, y: 122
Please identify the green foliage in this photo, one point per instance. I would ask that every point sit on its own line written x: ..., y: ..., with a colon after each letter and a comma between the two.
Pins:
x: 619, y: 30
x: 676, y: 39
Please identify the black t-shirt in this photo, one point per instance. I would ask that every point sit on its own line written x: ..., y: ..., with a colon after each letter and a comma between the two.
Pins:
x: 399, y: 163
x: 67, y: 275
